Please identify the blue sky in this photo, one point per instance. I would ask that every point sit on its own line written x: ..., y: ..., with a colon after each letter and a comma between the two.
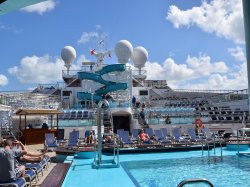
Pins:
x: 192, y: 44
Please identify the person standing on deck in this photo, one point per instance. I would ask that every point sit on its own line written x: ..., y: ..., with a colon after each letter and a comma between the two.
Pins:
x: 133, y: 101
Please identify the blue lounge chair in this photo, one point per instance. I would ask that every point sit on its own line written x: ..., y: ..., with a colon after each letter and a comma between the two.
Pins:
x: 165, y: 133
x: 30, y: 175
x: 50, y: 141
x: 208, y: 135
x: 135, y: 133
x: 20, y: 182
x: 124, y: 137
x: 119, y: 131
x: 37, y: 167
x: 176, y: 132
x: 160, y: 138
x: 193, y: 136
x: 149, y: 131
x: 60, y: 135
x: 73, y: 138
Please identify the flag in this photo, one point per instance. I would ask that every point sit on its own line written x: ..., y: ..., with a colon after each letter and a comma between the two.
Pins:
x: 92, y: 52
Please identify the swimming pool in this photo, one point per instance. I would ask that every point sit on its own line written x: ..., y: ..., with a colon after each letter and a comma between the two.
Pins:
x: 163, y: 169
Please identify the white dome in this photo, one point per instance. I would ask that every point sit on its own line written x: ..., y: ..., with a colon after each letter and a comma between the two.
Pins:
x: 68, y: 54
x: 123, y: 51
x: 139, y: 56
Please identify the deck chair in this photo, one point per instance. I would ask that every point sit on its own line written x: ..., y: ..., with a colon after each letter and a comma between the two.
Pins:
x: 73, y: 138
x: 208, y: 135
x: 176, y: 132
x: 30, y: 175
x: 60, y: 136
x: 165, y: 133
x: 192, y: 135
x: 50, y: 141
x: 118, y: 131
x: 20, y: 182
x: 37, y: 167
x: 149, y: 131
x: 160, y: 138
x: 124, y: 137
x: 135, y: 133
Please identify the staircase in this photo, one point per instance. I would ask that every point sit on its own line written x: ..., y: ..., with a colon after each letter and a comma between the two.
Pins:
x: 136, y: 115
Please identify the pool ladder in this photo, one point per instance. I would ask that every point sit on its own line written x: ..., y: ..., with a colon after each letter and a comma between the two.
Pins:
x: 207, y: 143
x: 198, y: 180
x: 99, y: 162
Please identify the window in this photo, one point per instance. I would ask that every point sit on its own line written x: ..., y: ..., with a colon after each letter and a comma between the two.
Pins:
x: 143, y: 92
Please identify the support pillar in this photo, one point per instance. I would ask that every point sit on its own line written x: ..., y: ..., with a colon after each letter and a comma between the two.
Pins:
x: 246, y: 15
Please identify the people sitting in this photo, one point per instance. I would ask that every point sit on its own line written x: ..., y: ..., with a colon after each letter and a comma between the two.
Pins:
x: 90, y: 138
x: 107, y: 140
x: 28, y: 156
x: 8, y: 170
x: 143, y: 137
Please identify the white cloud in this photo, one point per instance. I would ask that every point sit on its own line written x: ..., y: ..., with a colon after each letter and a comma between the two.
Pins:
x: 198, y: 73
x: 88, y: 36
x: 238, y: 53
x: 36, y: 69
x: 45, y: 69
x: 92, y: 36
x: 40, y: 8
x: 223, y: 17
x: 9, y: 28
x: 3, y: 80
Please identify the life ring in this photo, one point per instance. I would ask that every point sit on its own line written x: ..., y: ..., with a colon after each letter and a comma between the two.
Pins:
x: 198, y: 123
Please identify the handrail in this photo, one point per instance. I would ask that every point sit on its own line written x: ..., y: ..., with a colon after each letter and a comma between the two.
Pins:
x: 195, y: 180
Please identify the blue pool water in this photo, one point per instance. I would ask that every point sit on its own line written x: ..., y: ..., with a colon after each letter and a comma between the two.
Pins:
x: 163, y: 170
x: 231, y: 171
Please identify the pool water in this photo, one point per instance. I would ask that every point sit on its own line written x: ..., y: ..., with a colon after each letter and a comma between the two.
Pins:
x: 232, y: 171
x: 163, y: 170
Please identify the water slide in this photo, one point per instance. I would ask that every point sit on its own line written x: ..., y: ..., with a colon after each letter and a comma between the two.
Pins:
x: 88, y: 96
x: 109, y: 86
x: 111, y: 68
x: 93, y: 77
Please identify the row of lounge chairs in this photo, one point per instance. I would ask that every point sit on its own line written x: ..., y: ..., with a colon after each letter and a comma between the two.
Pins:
x: 161, y: 137
x: 76, y: 115
x: 32, y: 172
x: 74, y: 139
x: 158, y: 136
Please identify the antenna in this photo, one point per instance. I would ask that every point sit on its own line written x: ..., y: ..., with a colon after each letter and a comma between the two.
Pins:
x: 101, y: 53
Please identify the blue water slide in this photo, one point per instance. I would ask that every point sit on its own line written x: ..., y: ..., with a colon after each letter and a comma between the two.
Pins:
x: 88, y: 96
x: 93, y: 77
x: 112, y: 68
x: 111, y: 88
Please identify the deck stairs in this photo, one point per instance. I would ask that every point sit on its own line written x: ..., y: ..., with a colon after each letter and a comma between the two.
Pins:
x: 136, y: 115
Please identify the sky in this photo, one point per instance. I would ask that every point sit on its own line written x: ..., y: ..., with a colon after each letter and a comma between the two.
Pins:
x: 192, y: 44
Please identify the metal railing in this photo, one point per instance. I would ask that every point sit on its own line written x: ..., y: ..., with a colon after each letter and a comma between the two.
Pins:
x: 195, y: 180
